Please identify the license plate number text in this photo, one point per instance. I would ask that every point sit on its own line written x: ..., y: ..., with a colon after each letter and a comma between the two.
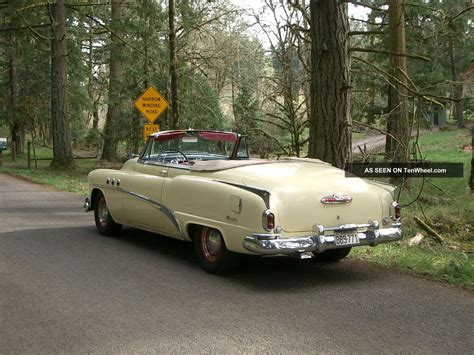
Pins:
x: 346, y: 239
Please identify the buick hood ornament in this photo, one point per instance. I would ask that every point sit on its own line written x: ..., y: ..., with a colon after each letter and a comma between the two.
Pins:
x: 335, y: 198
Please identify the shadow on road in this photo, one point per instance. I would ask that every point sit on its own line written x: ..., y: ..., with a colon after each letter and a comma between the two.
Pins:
x: 268, y: 274
x: 82, y: 248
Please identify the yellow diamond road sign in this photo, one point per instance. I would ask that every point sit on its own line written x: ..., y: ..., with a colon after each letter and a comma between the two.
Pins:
x: 151, y: 104
x: 149, y: 129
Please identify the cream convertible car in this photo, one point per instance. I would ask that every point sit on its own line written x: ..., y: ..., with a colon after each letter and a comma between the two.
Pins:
x: 202, y: 187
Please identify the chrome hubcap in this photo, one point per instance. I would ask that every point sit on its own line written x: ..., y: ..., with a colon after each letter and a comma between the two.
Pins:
x: 211, y: 243
x: 102, y: 211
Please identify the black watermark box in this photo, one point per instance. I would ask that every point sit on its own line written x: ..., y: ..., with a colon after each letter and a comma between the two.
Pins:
x: 405, y: 170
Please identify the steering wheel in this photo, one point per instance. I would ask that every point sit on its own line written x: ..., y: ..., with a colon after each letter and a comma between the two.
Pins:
x: 175, y: 161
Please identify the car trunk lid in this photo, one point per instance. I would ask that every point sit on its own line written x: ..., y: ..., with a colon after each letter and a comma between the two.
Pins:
x: 297, y: 188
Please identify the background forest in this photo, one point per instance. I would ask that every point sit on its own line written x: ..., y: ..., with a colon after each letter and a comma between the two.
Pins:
x: 71, y: 71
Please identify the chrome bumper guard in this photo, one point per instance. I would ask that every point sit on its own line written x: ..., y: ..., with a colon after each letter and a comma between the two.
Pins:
x: 87, y: 205
x: 322, y: 238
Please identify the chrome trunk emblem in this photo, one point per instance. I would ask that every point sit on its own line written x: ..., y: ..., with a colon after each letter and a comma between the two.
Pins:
x: 336, y: 199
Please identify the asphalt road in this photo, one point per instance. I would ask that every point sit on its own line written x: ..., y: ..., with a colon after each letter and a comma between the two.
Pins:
x: 66, y: 289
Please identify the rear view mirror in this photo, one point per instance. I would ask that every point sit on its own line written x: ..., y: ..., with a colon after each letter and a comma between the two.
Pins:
x: 189, y: 139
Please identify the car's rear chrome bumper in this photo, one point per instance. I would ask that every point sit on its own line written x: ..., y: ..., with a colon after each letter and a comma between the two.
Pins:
x: 322, y: 238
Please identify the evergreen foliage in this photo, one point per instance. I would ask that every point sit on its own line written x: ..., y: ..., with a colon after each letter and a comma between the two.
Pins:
x: 229, y: 78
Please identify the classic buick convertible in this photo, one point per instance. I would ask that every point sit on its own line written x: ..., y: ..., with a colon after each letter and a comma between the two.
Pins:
x: 201, y: 186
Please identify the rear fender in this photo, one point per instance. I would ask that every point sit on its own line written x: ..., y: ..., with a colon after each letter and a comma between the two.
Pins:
x: 199, y: 201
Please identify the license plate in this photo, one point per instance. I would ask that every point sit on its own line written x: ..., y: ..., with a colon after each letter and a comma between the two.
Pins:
x: 346, y: 239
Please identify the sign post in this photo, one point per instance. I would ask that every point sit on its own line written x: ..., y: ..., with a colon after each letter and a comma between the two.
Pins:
x: 151, y: 104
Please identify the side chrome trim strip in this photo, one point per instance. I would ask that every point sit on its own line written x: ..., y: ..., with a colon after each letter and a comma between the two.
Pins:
x: 167, y: 211
x: 264, y: 194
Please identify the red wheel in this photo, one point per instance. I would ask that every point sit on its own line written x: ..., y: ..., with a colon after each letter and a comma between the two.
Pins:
x: 211, y: 251
x: 103, y: 220
x: 211, y: 244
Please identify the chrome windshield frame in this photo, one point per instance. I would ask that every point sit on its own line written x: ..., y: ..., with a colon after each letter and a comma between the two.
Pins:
x: 233, y: 155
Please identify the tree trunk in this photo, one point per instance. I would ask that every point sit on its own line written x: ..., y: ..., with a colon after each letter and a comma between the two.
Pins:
x: 62, y: 148
x: 287, y: 92
x: 92, y: 115
x: 95, y: 119
x: 13, y: 98
x: 471, y: 178
x: 389, y: 142
x: 234, y: 106
x: 137, y: 119
x: 330, y: 125
x: 17, y: 124
x: 112, y: 120
x: 456, y: 85
x: 94, y: 97
x: 398, y: 122
x: 305, y: 45
x: 173, y: 65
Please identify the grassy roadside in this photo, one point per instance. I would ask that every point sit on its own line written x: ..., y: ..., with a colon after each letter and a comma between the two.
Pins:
x: 455, y: 267
x: 445, y: 203
x: 63, y: 180
x: 67, y: 180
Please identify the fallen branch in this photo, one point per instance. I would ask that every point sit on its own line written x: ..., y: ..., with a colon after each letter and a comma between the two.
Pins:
x: 429, y: 230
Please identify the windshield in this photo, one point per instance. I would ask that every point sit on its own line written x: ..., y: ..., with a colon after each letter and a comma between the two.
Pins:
x: 180, y: 147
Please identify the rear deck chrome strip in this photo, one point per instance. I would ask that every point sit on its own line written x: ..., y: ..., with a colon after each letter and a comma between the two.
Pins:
x: 264, y: 194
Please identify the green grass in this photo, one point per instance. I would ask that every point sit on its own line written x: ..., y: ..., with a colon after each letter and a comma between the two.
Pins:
x: 66, y: 180
x: 445, y: 202
x: 447, y: 205
x: 74, y: 181
x: 434, y: 261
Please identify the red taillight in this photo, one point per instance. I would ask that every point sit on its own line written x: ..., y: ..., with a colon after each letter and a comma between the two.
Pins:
x: 268, y: 220
x: 396, y: 211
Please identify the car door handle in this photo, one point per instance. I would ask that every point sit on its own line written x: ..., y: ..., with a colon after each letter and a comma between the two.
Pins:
x: 163, y: 173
